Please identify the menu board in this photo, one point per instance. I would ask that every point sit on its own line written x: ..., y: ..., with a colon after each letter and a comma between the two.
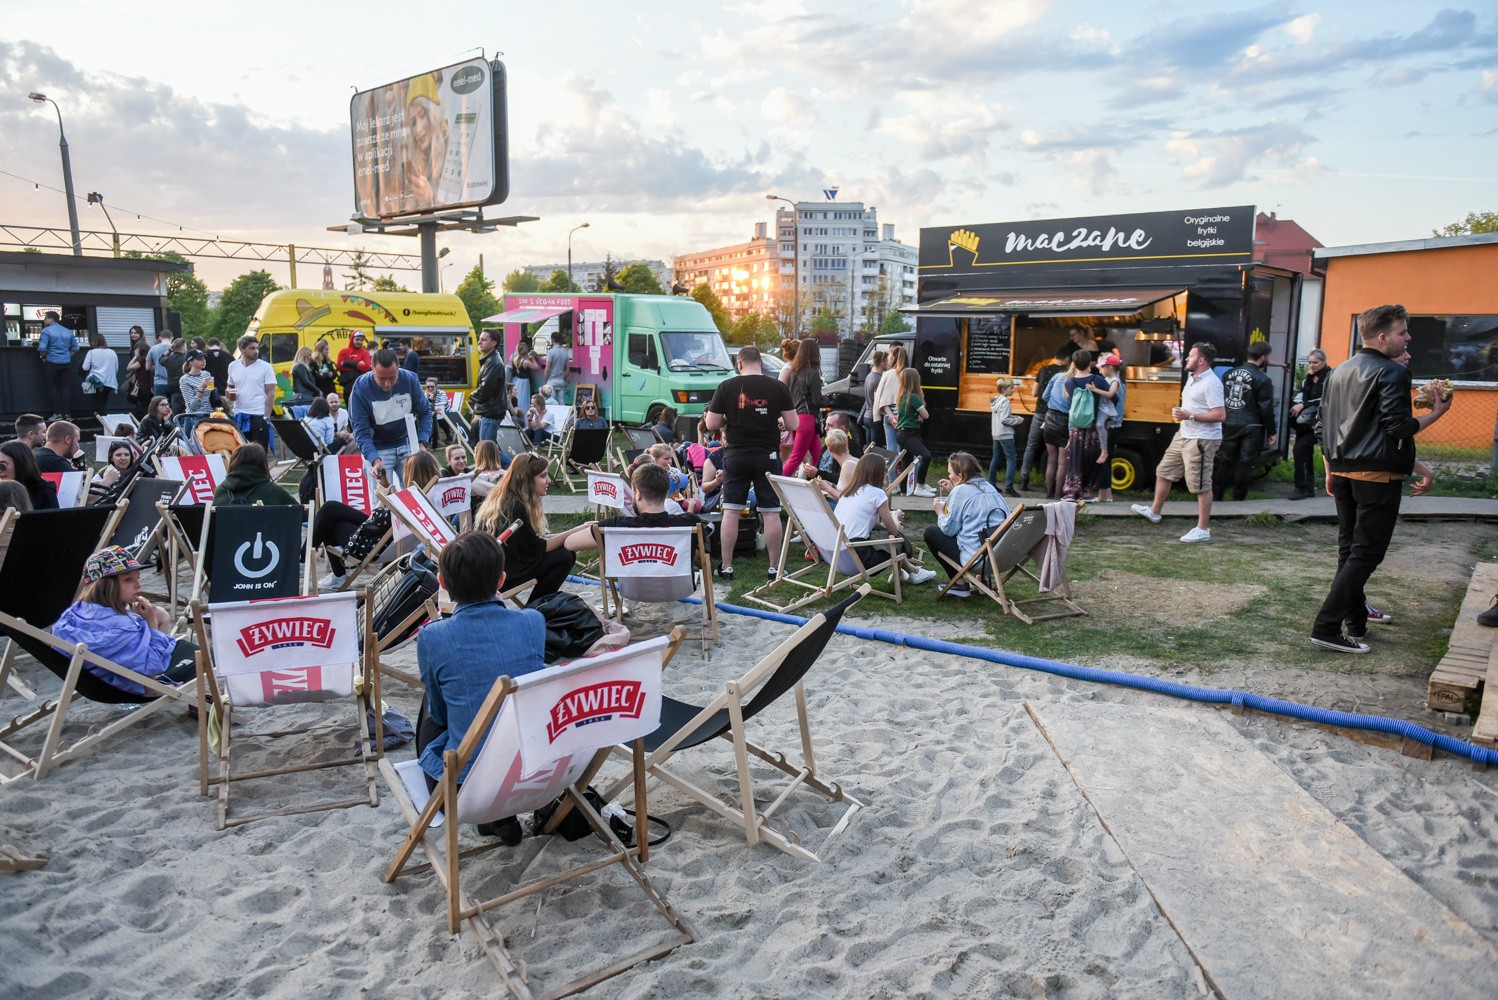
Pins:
x: 988, y: 341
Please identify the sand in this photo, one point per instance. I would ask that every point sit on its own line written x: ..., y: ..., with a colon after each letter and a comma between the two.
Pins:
x: 976, y: 869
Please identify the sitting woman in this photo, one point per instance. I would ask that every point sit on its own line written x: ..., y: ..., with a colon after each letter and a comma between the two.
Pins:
x: 19, y: 464
x: 969, y: 513
x: 157, y: 422
x: 319, y: 423
x: 248, y: 481
x: 837, y: 446
x: 121, y: 455
x: 488, y: 469
x: 337, y: 522
x: 865, y: 506
x: 117, y: 623
x: 589, y: 419
x: 538, y: 421
x: 530, y: 554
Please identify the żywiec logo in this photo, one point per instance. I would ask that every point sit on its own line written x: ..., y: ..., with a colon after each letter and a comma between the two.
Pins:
x: 595, y: 703
x: 278, y: 632
x: 604, y: 488
x: 454, y: 494
x: 355, y: 486
x: 648, y: 552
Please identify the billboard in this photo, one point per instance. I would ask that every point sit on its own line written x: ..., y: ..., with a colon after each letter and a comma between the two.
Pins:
x: 432, y: 141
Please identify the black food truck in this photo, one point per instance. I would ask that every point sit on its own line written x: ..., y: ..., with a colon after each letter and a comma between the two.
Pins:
x: 999, y: 299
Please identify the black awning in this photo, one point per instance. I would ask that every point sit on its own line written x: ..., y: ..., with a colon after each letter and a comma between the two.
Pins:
x: 1057, y: 302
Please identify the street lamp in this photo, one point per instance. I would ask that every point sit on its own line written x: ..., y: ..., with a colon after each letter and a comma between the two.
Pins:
x: 570, y: 286
x: 67, y: 171
x: 441, y: 274
x: 95, y: 198
x: 795, y: 261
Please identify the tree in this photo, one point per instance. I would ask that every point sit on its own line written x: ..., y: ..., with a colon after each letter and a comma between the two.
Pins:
x: 637, y: 278
x: 477, y: 294
x: 1475, y: 222
x: 752, y: 328
x: 556, y: 283
x: 704, y: 293
x: 238, y: 305
x: 387, y: 283
x: 610, y: 273
x: 186, y: 294
x: 358, y: 277
x: 521, y: 280
x: 894, y: 322
x: 824, y: 321
x: 787, y: 315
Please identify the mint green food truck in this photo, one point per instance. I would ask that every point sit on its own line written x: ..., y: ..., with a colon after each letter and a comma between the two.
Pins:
x: 642, y: 352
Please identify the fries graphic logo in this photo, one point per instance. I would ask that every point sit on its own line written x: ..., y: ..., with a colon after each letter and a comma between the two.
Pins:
x: 964, y: 239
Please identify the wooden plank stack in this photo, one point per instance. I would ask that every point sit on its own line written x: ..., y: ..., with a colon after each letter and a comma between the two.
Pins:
x: 1471, y: 659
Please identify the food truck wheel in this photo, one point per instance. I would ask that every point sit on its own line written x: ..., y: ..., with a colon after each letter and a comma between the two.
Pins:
x: 653, y: 412
x: 1127, y: 469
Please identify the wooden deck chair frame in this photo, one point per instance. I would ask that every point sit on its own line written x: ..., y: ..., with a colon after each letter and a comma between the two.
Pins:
x: 211, y: 695
x: 892, y: 460
x: 430, y: 610
x: 440, y: 844
x: 183, y: 545
x: 66, y: 554
x: 708, y: 627
x: 512, y: 441
x: 838, y: 566
x: 1005, y: 553
x: 602, y: 508
x: 684, y: 726
x: 976, y: 571
x: 351, y: 575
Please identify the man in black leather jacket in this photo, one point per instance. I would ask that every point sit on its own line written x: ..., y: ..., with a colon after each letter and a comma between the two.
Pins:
x: 490, y: 399
x: 1368, y: 440
x: 1249, y: 396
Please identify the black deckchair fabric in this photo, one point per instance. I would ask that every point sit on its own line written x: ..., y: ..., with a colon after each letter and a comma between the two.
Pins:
x: 41, y: 572
x: 294, y: 436
x: 589, y: 445
x: 813, y: 638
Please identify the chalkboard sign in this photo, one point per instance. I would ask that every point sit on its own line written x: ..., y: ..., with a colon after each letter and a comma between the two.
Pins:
x: 988, y: 341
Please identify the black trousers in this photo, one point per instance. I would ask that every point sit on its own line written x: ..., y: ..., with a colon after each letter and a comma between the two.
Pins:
x: 335, y: 524
x: 1366, y: 515
x: 58, y: 385
x: 1034, y: 447
x: 943, y: 544
x: 1236, y: 457
x: 549, y: 573
x: 910, y: 442
x: 1305, y: 460
x: 259, y: 432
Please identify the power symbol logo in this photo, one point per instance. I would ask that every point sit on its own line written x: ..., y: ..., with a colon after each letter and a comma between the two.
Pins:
x: 263, y: 555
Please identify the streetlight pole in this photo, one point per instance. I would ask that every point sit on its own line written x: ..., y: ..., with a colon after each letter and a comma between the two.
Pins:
x: 795, y: 262
x: 571, y: 286
x: 67, y: 171
x: 95, y: 198
x: 441, y: 274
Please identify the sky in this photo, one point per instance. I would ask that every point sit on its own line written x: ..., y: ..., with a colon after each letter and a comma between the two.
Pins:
x: 665, y: 125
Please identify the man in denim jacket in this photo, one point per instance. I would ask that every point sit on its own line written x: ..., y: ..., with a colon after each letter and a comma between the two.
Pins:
x: 56, y: 345
x: 460, y: 657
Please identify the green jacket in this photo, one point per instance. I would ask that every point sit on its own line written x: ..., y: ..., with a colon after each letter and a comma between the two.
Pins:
x: 247, y: 486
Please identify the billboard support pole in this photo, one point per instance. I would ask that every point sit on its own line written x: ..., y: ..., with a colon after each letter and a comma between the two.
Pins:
x: 291, y: 252
x: 428, y: 232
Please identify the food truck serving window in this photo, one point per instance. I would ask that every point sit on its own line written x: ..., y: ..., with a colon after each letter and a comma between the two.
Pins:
x: 443, y: 350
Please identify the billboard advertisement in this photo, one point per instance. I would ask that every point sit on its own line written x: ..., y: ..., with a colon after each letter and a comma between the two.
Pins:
x: 432, y: 141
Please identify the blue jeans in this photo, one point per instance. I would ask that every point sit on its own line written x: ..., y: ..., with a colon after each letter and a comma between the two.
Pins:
x: 489, y: 431
x: 1004, y: 446
x: 393, y: 458
x: 890, y: 441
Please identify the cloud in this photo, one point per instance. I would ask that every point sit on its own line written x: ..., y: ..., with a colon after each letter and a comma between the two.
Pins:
x: 1487, y: 87
x: 1217, y: 159
x: 945, y: 126
x: 1302, y: 28
x: 782, y: 106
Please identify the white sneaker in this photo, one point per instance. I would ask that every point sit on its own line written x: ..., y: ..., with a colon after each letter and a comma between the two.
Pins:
x: 331, y: 582
x: 917, y: 576
x: 923, y: 491
x: 1144, y: 511
x: 1197, y: 535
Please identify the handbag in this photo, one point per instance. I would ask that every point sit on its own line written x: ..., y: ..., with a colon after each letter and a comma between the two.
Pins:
x: 571, y: 625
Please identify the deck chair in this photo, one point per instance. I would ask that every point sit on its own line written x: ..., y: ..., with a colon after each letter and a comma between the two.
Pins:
x: 583, y: 448
x: 119, y: 424
x: 142, y: 528
x: 512, y: 441
x: 261, y: 654
x: 186, y: 528
x: 1003, y: 556
x: 656, y: 566
x: 258, y: 552
x: 201, y: 473
x: 305, y: 449
x: 636, y: 440
x: 348, y: 479
x: 684, y: 726
x: 540, y: 740
x: 415, y: 510
x: 42, y: 555
x: 893, y: 480
x: 839, y: 566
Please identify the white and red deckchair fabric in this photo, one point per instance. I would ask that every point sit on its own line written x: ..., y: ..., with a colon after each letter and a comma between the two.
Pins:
x: 348, y: 479
x: 538, y: 737
x: 608, y: 489
x: 72, y: 487
x: 201, y: 473
x: 657, y: 566
x: 414, y: 511
x: 281, y: 651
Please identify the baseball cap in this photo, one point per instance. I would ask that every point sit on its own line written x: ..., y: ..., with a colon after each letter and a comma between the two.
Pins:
x: 1113, y: 359
x: 196, y: 356
x: 108, y: 562
x: 678, y: 480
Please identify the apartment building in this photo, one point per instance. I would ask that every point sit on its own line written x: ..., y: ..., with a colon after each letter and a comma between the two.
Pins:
x: 588, y: 274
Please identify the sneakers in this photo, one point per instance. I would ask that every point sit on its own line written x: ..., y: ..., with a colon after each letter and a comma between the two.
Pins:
x: 1340, y: 644
x: 773, y: 573
x: 1197, y: 535
x: 1377, y: 617
x: 725, y: 573
x: 1490, y: 616
x: 923, y: 491
x: 1145, y: 512
x: 917, y: 576
x: 961, y: 592
x: 331, y: 582
x: 1010, y: 491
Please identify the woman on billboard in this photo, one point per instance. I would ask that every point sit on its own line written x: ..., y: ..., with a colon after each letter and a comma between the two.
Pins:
x: 426, y: 140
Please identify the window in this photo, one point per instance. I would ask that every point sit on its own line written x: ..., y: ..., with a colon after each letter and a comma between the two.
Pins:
x: 279, y: 348
x: 1461, y: 348
x: 444, y: 357
x: 642, y: 351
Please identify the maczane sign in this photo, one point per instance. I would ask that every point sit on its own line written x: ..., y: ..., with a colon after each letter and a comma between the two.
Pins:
x: 1213, y: 234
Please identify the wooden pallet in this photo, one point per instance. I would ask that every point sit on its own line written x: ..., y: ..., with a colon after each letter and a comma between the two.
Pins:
x: 1485, y: 732
x: 1457, y: 682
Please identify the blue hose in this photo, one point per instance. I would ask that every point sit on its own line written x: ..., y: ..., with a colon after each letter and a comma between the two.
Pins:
x: 1191, y: 692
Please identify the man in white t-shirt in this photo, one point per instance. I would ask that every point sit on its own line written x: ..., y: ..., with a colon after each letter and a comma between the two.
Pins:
x: 342, y: 433
x: 1194, y: 448
x: 252, y: 389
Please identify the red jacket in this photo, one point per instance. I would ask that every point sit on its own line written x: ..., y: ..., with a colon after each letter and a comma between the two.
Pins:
x: 354, y: 361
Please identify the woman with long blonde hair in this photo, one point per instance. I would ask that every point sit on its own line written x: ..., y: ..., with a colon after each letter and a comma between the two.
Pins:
x: 530, y: 554
x: 304, y: 388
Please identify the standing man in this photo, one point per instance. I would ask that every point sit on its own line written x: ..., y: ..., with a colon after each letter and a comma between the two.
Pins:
x: 1248, y: 394
x: 1306, y: 414
x: 353, y: 361
x: 410, y: 357
x: 1368, y: 440
x: 252, y: 388
x: 749, y: 404
x: 156, y: 358
x: 218, y: 360
x: 1192, y: 450
x: 57, y: 345
x: 379, y: 404
x: 557, y: 360
x: 490, y: 399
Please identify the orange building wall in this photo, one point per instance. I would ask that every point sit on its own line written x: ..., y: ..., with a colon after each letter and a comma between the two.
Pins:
x: 1446, y: 281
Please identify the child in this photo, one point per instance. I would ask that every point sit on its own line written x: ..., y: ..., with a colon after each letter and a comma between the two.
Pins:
x: 1109, y: 417
x: 1003, y: 423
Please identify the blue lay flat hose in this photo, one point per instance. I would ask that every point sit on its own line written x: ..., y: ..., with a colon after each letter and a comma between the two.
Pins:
x: 1191, y: 692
